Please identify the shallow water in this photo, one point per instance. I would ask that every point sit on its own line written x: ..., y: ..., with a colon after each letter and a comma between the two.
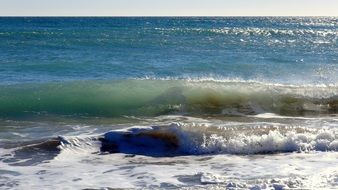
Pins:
x: 191, y: 103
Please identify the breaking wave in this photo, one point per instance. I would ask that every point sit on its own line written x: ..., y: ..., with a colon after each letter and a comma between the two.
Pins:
x: 162, y: 97
x: 179, y: 138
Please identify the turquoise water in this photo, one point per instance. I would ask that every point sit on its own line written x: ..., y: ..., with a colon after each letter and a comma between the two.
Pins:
x: 113, y: 102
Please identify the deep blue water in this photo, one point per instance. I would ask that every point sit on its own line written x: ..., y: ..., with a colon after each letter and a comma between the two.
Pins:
x: 278, y: 50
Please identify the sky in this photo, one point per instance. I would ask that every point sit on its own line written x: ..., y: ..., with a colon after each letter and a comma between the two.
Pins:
x: 168, y: 7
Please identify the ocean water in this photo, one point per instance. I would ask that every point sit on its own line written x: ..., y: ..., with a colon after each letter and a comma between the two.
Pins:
x: 172, y: 103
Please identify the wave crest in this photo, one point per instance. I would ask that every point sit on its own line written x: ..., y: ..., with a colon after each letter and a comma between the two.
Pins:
x: 179, y: 138
x: 162, y: 97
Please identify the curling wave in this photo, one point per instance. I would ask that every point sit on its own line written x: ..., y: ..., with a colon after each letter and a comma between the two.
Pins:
x: 162, y: 97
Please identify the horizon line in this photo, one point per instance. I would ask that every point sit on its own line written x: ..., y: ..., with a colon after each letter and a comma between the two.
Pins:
x: 167, y: 16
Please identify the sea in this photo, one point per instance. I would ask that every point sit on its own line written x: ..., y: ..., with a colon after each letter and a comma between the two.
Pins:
x: 168, y: 103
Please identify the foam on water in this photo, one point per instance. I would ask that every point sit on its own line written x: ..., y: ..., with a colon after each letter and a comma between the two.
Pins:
x: 200, y: 139
x: 193, y: 152
x: 75, y: 168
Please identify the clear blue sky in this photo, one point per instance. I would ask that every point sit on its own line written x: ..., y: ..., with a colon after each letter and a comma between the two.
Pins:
x: 169, y: 7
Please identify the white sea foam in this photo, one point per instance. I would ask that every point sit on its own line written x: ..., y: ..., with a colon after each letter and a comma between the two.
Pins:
x: 220, y: 79
x: 201, y: 139
x: 82, y: 170
x: 215, y: 154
